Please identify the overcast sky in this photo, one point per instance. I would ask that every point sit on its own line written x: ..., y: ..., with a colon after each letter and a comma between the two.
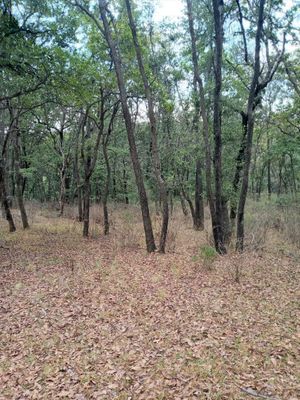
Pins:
x: 171, y: 9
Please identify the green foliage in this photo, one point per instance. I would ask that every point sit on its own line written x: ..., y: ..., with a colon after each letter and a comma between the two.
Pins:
x: 208, y: 254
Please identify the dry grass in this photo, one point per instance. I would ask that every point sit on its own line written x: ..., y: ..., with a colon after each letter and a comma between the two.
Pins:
x: 98, y: 318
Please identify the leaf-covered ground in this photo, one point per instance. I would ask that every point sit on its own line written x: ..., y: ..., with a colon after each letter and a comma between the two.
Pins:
x: 92, y: 319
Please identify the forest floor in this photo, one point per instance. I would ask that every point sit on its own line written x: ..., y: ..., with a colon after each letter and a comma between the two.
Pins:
x: 98, y: 318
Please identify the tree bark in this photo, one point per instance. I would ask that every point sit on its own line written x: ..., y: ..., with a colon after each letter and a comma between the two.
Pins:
x: 19, y: 179
x: 77, y: 169
x: 163, y: 192
x: 62, y: 192
x: 86, y: 206
x: 183, y: 205
x: 238, y: 169
x: 250, y: 128
x: 217, y: 124
x: 108, y: 171
x: 4, y: 199
x: 269, y: 170
x: 3, y: 191
x: 199, y: 205
x: 203, y: 111
x: 149, y: 237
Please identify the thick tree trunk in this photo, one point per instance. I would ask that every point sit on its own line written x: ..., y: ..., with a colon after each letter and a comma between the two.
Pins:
x: 130, y: 130
x: 153, y: 128
x: 4, y: 199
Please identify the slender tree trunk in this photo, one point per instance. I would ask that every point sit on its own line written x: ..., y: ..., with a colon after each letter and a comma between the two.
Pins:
x: 19, y: 179
x: 280, y: 165
x: 203, y: 111
x: 130, y: 130
x: 62, y: 193
x: 250, y: 128
x: 77, y: 169
x: 238, y: 169
x: 183, y: 205
x: 294, y: 182
x: 199, y: 206
x: 86, y: 206
x: 106, y: 191
x: 153, y: 128
x: 79, y: 202
x: 108, y: 170
x: 269, y: 170
x: 217, y: 124
x: 125, y: 184
x: 226, y: 227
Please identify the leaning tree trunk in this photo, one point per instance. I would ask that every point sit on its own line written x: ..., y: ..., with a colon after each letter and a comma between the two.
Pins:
x: 163, y: 192
x: 19, y: 180
x: 183, y: 205
x: 130, y: 130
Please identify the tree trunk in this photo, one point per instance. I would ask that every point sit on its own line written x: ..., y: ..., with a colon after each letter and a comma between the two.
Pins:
x: 199, y: 205
x: 108, y: 170
x: 153, y: 128
x: 238, y: 169
x: 217, y: 125
x: 269, y: 170
x: 294, y: 182
x: 203, y: 111
x: 106, y: 191
x: 19, y: 180
x: 4, y: 199
x: 126, y: 199
x: 77, y: 173
x: 149, y: 237
x: 250, y: 128
x: 226, y: 228
x: 86, y: 207
x: 62, y: 193
x: 183, y: 205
